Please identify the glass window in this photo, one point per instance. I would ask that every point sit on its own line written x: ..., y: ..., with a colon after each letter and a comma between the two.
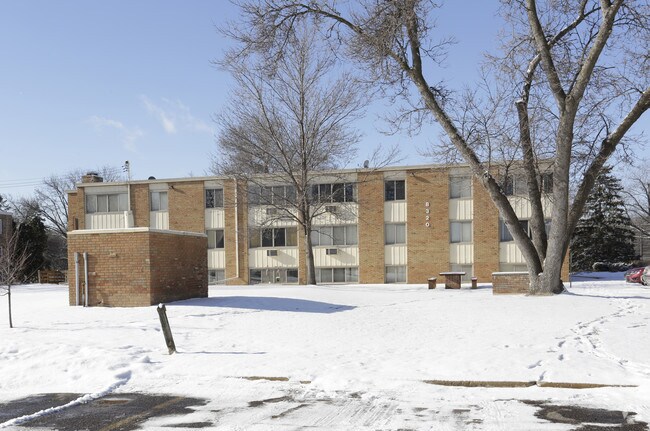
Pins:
x: 396, y: 274
x: 547, y: 182
x: 460, y: 187
x: 338, y: 235
x: 352, y: 275
x: 158, y: 201
x: 279, y: 238
x: 102, y: 203
x: 460, y: 231
x: 214, y: 198
x: 338, y: 275
x: 338, y: 192
x: 267, y: 237
x: 254, y: 237
x: 395, y: 233
x: 215, y: 238
x: 351, y: 234
x: 291, y: 237
x: 91, y: 203
x: 325, y: 235
x: 216, y: 276
x: 394, y: 190
x: 504, y: 232
x: 255, y: 276
x: 350, y: 192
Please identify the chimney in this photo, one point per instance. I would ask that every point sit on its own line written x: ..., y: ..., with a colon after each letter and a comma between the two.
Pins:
x: 92, y: 177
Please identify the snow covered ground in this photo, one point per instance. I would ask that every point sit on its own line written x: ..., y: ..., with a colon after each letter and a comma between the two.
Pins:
x: 341, y: 357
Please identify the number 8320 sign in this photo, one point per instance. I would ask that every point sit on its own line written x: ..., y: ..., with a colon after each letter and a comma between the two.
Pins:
x: 427, y: 214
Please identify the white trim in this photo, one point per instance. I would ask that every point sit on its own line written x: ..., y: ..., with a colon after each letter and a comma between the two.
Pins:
x: 136, y: 230
x: 511, y: 273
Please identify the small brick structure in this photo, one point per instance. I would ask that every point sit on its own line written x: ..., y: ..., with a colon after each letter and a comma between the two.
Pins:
x: 51, y: 276
x: 137, y: 266
x: 507, y: 283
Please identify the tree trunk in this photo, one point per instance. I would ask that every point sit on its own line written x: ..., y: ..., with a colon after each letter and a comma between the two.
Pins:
x: 309, y: 256
x: 11, y: 325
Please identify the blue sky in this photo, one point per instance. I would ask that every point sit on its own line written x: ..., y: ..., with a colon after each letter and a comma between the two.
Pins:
x: 87, y: 83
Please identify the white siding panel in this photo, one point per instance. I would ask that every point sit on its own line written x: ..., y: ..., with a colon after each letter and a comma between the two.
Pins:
x: 461, y: 253
x: 509, y: 253
x: 105, y: 221
x: 159, y: 220
x: 395, y: 212
x: 521, y: 206
x: 286, y: 258
x: 216, y: 259
x: 257, y: 216
x: 215, y: 218
x: 346, y: 213
x: 346, y: 256
x: 461, y: 209
x: 395, y: 254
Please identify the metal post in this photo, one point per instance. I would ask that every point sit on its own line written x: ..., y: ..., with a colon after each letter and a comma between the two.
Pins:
x: 76, y: 276
x: 86, y: 279
x: 167, y: 332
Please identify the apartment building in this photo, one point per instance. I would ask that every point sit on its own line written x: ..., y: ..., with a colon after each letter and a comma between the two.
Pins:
x: 394, y: 225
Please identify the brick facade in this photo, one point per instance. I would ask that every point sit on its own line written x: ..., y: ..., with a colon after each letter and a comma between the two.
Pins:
x: 187, y: 206
x: 236, y: 232
x: 138, y: 267
x: 371, y: 228
x: 428, y: 247
x: 504, y: 283
x: 485, y: 234
x: 7, y: 226
x: 140, y: 204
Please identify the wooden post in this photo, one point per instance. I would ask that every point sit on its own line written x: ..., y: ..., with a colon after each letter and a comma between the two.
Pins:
x: 169, y: 340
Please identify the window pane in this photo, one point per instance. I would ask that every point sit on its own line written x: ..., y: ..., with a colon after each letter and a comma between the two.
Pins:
x: 400, y: 234
x: 292, y: 276
x: 326, y: 235
x: 454, y: 232
x: 350, y: 189
x: 547, y: 182
x: 389, y: 192
x: 155, y: 201
x: 325, y: 192
x: 91, y: 203
x: 267, y: 237
x: 390, y: 274
x: 338, y: 194
x: 256, y: 276
x: 351, y: 235
x: 292, y: 237
x: 339, y: 275
x: 508, y: 185
x: 338, y: 235
x: 113, y: 205
x: 504, y: 233
x: 219, y: 238
x: 212, y: 239
x: 164, y: 203
x: 467, y: 232
x: 291, y: 194
x: 326, y: 275
x: 315, y: 237
x: 278, y: 195
x: 279, y: 238
x: 314, y: 193
x: 254, y: 238
x: 253, y: 195
x: 209, y: 198
x: 460, y: 187
x: 400, y: 193
x: 102, y: 203
x: 389, y: 233
x: 352, y: 275
x: 122, y: 202
x: 265, y: 198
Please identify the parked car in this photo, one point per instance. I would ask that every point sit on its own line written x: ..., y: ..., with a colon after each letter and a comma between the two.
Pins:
x: 634, y: 275
x: 645, y: 276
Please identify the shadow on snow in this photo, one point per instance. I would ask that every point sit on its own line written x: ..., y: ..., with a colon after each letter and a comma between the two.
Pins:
x: 268, y: 304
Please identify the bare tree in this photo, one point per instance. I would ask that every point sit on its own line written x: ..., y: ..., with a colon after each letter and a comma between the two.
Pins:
x: 289, y: 120
x: 13, y: 262
x: 637, y: 204
x: 572, y: 66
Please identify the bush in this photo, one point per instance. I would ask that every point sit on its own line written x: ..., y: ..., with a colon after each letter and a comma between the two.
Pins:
x: 612, y: 266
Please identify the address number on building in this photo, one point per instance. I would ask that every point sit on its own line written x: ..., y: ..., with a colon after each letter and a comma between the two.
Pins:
x: 427, y: 214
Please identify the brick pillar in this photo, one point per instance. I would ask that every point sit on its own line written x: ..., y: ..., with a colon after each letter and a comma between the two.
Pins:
x: 235, y: 232
x: 76, y: 210
x: 187, y: 206
x: 140, y: 205
x: 486, y: 233
x: 371, y: 227
x: 428, y: 247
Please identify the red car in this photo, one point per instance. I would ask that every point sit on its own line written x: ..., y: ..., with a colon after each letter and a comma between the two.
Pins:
x: 634, y: 275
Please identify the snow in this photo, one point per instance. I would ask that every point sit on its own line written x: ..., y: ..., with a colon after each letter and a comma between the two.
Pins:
x: 342, y: 355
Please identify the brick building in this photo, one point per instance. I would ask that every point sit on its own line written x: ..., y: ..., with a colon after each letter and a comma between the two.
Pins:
x: 6, y: 226
x: 397, y: 224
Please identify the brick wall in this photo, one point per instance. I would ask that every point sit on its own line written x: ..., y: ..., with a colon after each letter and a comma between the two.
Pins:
x: 510, y: 283
x: 428, y: 247
x: 235, y: 231
x: 140, y: 204
x: 76, y: 210
x: 7, y: 227
x: 187, y: 206
x: 485, y: 234
x: 371, y: 227
x: 136, y: 267
x: 179, y: 268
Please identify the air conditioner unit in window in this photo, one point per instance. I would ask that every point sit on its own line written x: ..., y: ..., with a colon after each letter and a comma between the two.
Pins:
x: 332, y: 251
x: 331, y: 209
x: 271, y: 211
x: 271, y: 252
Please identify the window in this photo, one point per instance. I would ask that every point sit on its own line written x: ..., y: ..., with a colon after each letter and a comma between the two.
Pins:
x: 216, y: 276
x: 394, y: 190
x: 215, y: 238
x: 106, y: 203
x: 337, y: 275
x: 460, y: 231
x: 504, y: 232
x: 395, y: 233
x: 214, y: 198
x: 514, y: 185
x: 271, y: 195
x: 396, y: 274
x: 159, y: 201
x: 273, y: 237
x: 460, y: 187
x: 274, y: 275
x: 334, y: 235
x: 337, y: 192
